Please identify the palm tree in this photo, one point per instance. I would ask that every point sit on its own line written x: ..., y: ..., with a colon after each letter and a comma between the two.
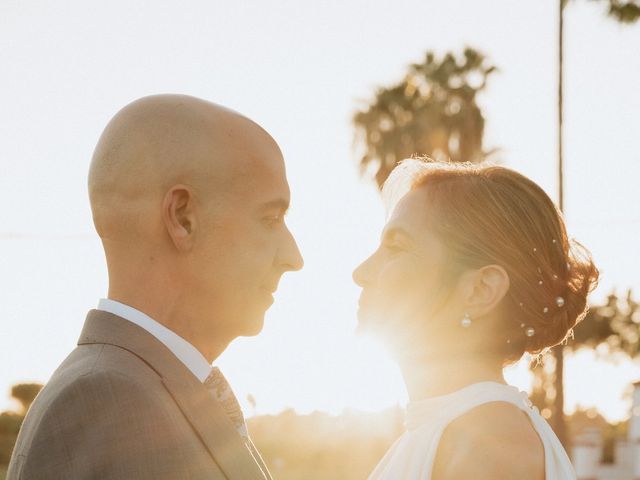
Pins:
x: 432, y: 111
x: 626, y: 12
x: 614, y: 325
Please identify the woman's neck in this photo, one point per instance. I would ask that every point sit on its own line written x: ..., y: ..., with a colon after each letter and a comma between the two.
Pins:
x: 430, y: 376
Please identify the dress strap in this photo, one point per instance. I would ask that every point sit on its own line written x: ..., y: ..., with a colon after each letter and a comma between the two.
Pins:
x: 447, y: 408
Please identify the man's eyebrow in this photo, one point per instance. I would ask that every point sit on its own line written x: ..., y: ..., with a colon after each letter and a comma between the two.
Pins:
x: 280, y: 204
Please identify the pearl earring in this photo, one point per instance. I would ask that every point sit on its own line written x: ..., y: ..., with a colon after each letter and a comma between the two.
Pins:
x: 466, y: 321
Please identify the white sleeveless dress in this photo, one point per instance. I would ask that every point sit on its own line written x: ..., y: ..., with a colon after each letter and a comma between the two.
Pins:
x: 412, y: 456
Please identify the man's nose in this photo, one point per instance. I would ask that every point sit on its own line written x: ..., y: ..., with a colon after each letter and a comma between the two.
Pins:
x: 291, y: 258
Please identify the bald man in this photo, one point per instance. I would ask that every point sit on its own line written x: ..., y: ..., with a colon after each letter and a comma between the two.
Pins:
x: 188, y: 199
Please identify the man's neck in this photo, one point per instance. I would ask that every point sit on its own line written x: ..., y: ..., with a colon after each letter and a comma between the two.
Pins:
x: 177, y: 317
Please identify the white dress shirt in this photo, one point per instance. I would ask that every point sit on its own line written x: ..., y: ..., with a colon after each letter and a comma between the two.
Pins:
x: 183, y: 350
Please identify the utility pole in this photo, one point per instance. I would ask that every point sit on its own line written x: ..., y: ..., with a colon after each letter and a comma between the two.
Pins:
x: 559, y: 424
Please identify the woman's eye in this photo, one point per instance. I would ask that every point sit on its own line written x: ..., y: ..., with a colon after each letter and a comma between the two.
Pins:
x: 393, y: 248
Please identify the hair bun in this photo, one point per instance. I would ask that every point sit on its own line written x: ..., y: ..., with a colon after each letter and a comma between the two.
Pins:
x: 579, y: 279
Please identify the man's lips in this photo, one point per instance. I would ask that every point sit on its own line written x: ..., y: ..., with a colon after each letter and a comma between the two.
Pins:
x: 270, y: 289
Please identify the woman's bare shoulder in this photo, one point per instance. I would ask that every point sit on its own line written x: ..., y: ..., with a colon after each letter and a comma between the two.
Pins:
x: 494, y: 440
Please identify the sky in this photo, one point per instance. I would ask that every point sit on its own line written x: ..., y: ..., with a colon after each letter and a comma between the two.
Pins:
x: 301, y: 69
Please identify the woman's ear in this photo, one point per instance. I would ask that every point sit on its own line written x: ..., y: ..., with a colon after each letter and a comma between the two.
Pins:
x: 178, y: 215
x: 484, y: 289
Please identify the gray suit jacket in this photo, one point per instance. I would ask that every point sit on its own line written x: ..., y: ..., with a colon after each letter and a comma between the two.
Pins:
x: 122, y: 406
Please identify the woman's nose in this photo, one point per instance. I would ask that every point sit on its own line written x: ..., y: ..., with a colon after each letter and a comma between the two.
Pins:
x: 362, y: 274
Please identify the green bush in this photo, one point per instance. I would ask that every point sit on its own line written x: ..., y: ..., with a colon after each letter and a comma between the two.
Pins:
x: 9, y: 428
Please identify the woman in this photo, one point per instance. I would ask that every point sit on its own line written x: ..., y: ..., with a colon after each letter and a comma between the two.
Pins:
x: 474, y: 269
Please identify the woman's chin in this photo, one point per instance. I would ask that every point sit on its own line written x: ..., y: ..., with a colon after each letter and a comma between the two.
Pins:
x: 368, y: 322
x: 375, y: 326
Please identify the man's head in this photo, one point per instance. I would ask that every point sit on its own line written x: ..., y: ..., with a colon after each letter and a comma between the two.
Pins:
x: 189, y: 198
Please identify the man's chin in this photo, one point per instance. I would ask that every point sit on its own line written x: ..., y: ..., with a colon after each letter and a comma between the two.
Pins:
x: 253, y: 326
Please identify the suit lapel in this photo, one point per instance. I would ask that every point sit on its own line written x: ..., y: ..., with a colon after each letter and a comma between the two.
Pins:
x: 214, y: 428
x: 203, y: 412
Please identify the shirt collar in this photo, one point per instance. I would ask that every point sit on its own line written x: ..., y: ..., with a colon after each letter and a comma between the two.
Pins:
x: 183, y: 350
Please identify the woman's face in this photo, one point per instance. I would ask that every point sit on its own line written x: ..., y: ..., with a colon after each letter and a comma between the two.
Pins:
x: 402, y: 281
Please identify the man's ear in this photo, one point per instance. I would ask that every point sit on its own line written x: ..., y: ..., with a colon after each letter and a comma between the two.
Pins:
x: 178, y: 215
x: 484, y: 289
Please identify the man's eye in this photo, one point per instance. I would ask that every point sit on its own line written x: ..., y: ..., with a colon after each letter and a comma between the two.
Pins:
x: 273, y: 220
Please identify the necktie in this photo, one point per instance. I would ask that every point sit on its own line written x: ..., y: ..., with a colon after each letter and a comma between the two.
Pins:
x: 221, y: 391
